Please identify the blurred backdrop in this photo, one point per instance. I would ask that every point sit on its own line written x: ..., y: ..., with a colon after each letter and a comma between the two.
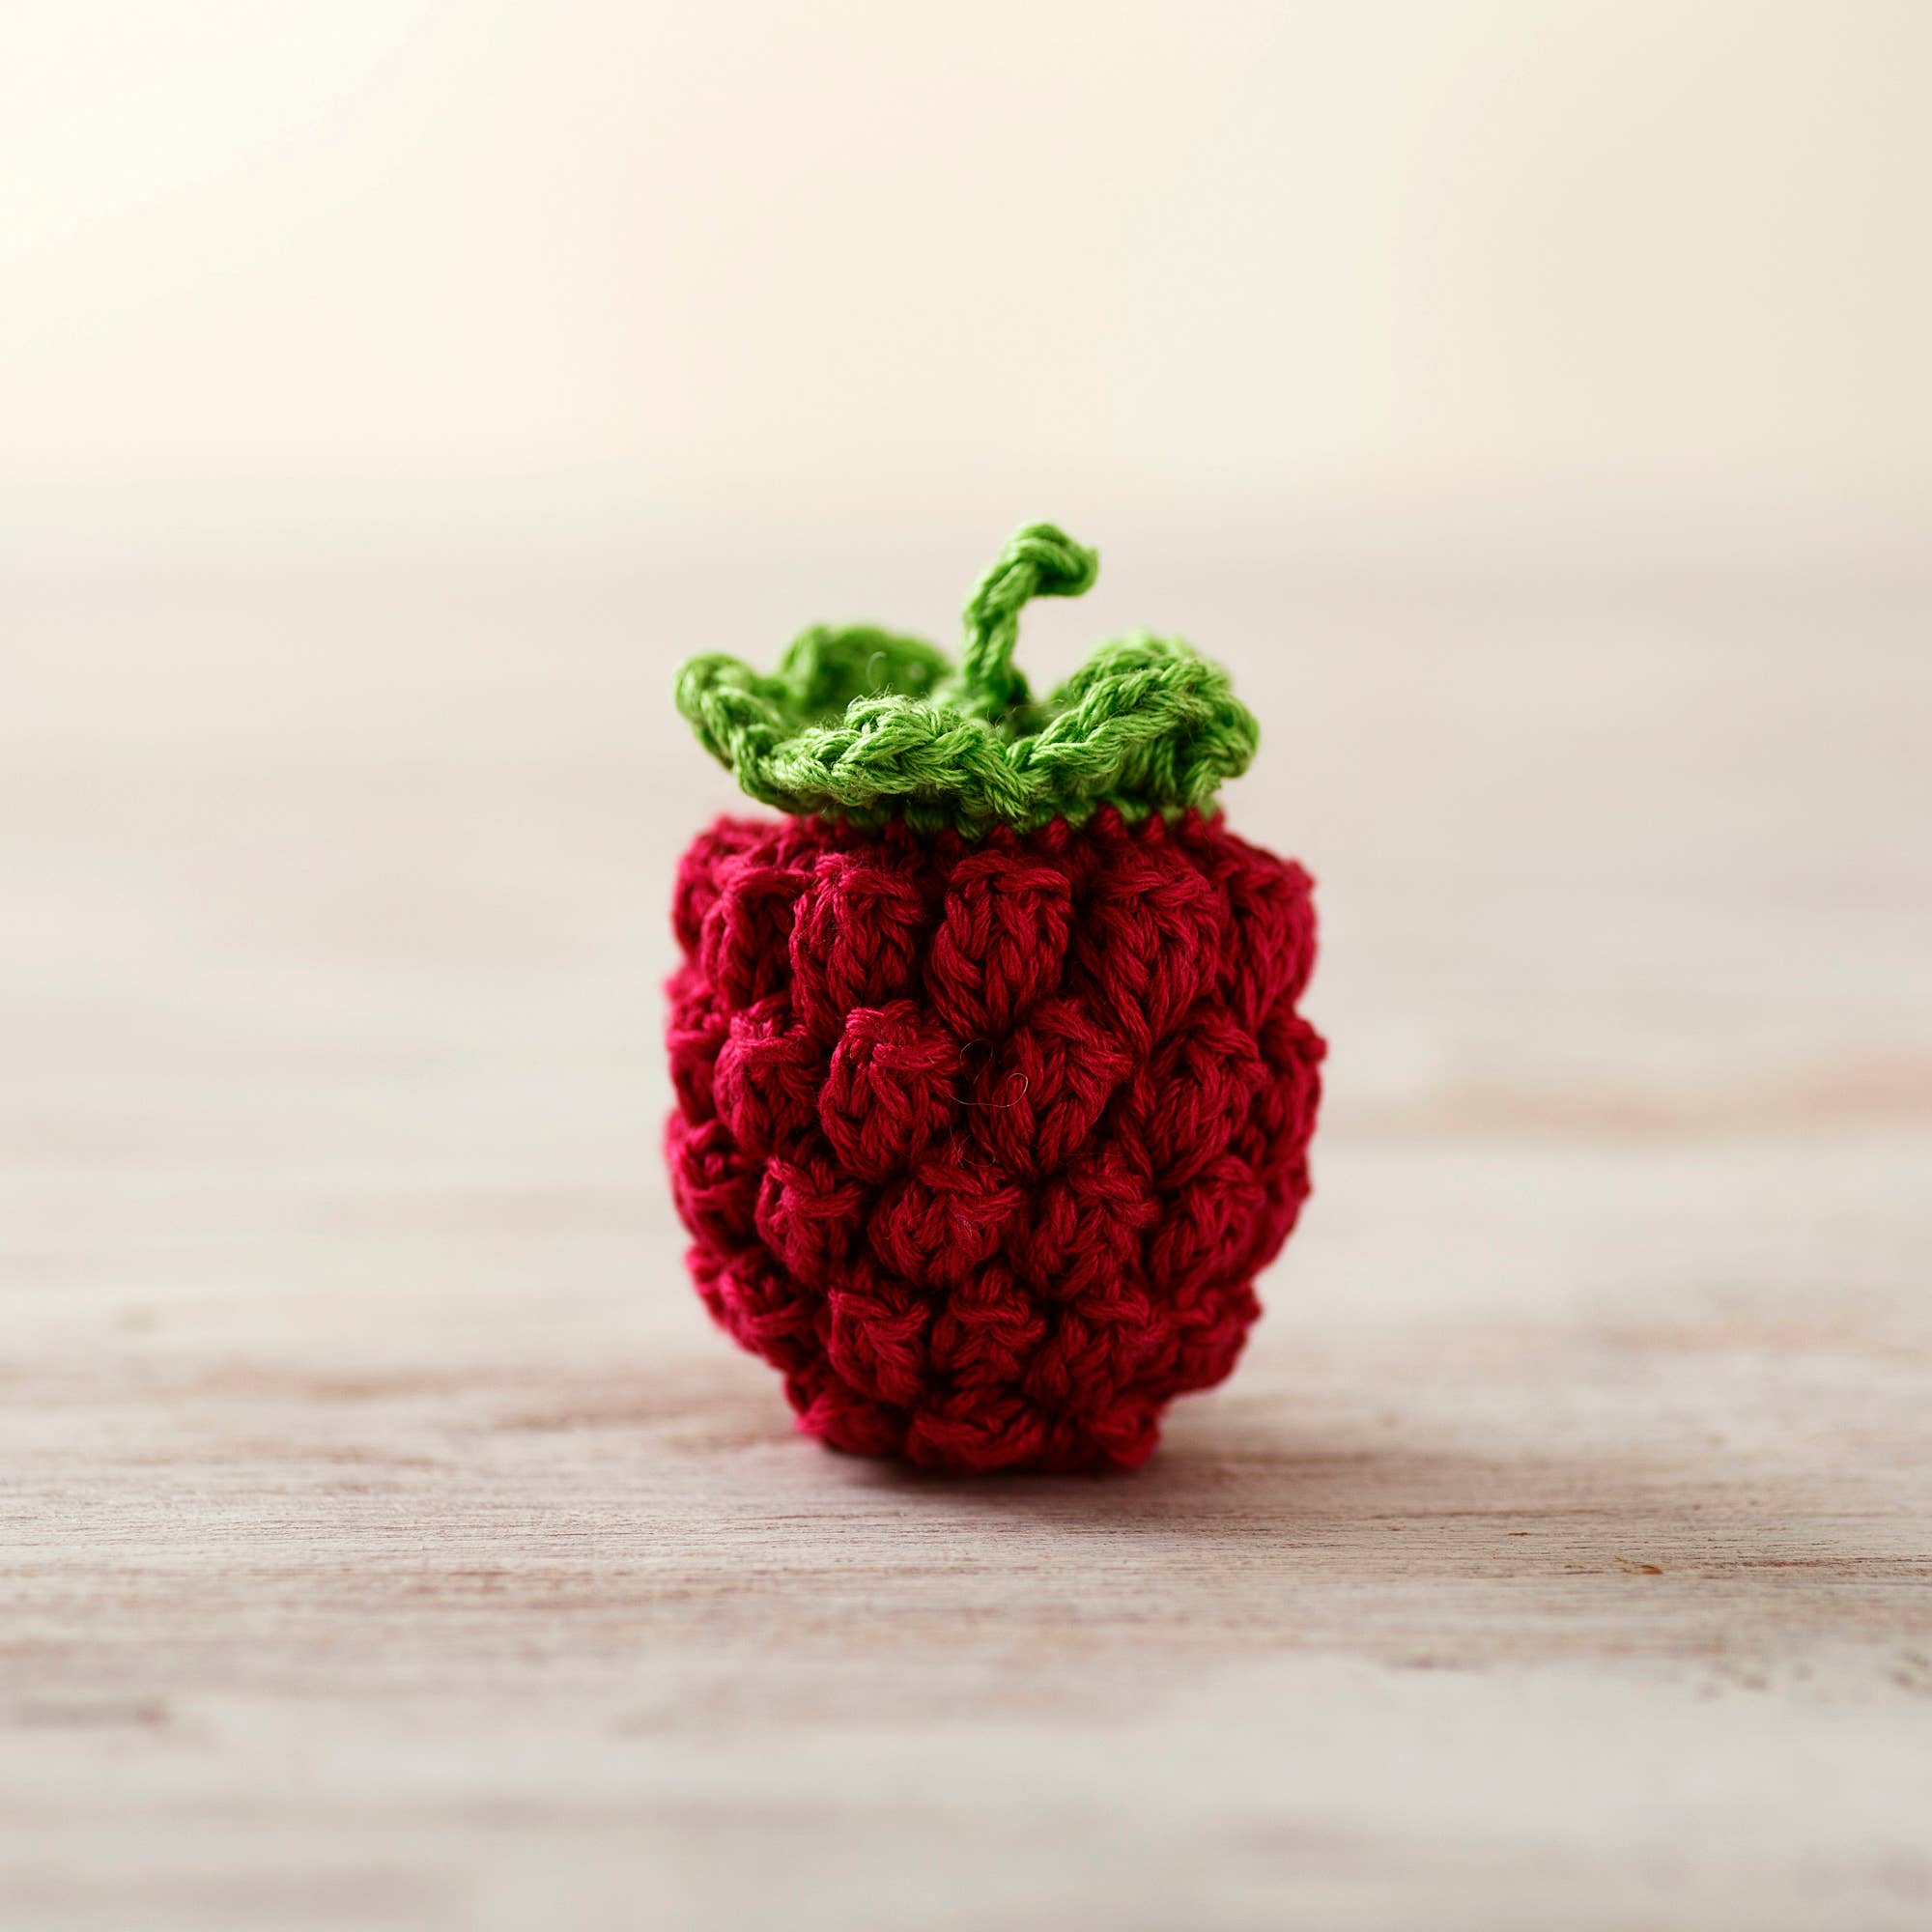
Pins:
x: 1527, y: 401
x: 1269, y: 252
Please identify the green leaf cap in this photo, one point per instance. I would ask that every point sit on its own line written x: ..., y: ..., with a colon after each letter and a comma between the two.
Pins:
x: 860, y: 724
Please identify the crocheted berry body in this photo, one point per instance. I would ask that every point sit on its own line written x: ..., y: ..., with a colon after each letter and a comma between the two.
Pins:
x: 982, y: 1142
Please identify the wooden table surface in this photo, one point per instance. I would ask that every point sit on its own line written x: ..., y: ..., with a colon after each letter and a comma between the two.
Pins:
x: 388, y: 1541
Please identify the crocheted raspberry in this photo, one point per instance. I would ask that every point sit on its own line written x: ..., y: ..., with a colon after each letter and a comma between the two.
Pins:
x: 992, y: 1093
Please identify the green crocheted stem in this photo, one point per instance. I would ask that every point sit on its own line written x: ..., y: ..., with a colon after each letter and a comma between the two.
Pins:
x: 866, y: 725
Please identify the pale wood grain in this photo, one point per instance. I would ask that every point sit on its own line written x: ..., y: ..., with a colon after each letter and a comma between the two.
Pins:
x: 388, y: 1541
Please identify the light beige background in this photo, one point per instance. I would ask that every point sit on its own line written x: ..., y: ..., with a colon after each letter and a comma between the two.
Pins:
x: 1526, y: 402
x: 1413, y: 245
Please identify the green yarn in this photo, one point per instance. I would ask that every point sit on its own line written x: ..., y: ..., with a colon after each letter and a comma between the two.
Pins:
x: 862, y: 723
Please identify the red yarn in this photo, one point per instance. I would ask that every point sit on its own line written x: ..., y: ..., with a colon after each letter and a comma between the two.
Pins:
x: 983, y: 1145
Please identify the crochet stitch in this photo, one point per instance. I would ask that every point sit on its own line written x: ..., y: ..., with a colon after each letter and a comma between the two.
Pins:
x: 873, y: 726
x: 982, y: 1140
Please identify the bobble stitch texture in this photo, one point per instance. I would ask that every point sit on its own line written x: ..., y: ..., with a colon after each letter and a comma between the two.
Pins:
x: 990, y: 1187
x: 993, y: 1096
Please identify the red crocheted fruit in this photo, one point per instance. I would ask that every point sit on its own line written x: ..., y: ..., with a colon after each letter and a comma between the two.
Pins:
x: 983, y: 1145
x: 983, y: 1138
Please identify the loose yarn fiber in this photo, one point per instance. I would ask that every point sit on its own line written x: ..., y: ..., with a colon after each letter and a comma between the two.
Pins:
x: 993, y: 1095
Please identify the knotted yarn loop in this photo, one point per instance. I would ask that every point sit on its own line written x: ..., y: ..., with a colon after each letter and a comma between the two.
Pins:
x: 870, y: 726
x: 1037, y: 561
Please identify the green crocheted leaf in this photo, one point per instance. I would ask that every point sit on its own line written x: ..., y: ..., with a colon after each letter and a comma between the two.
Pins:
x: 864, y: 725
